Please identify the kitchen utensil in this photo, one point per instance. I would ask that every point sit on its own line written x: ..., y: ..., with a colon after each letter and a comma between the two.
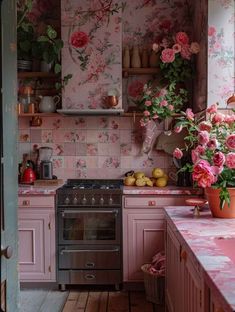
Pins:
x: 45, y: 153
x: 111, y: 101
x: 48, y: 103
x: 46, y: 166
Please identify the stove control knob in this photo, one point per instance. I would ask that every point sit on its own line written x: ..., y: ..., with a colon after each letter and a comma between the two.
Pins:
x: 84, y: 200
x: 93, y: 200
x: 66, y: 201
x: 101, y: 200
x: 75, y: 200
x: 110, y: 200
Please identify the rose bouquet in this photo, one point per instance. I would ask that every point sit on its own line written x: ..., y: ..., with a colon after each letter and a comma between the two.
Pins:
x: 212, y: 145
x: 176, y: 60
x: 158, y: 103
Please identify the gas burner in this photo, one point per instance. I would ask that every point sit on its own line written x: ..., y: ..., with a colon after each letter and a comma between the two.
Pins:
x: 75, y: 184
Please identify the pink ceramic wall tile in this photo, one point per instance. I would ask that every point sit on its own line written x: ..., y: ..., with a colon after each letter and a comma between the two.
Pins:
x: 109, y: 162
x: 23, y: 148
x: 103, y: 149
x: 126, y: 149
x: 24, y: 136
x: 58, y: 149
x: 69, y: 149
x: 92, y: 136
x: 70, y: 162
x: 114, y: 136
x: 103, y: 123
x: 127, y: 162
x: 81, y: 163
x: 114, y: 149
x: 47, y: 136
x: 81, y: 174
x: 75, y: 136
x: 114, y: 123
x: 51, y: 122
x: 81, y: 149
x: 126, y: 123
x: 92, y: 162
x: 92, y: 149
x: 94, y: 173
x: 125, y: 136
x: 23, y: 122
x: 58, y: 162
x: 103, y: 136
x: 35, y: 135
x: 92, y: 122
x: 58, y: 135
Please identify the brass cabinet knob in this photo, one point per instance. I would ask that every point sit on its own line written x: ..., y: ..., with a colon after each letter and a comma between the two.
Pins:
x: 7, y: 252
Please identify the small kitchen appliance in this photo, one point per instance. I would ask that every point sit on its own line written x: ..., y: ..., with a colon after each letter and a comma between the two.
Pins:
x: 46, y: 167
x: 89, y: 219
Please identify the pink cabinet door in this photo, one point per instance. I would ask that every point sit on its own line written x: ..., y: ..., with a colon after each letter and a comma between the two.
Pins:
x: 143, y: 237
x: 35, y: 244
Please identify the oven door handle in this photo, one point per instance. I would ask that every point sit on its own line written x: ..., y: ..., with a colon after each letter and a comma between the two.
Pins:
x: 87, y: 250
x: 63, y: 213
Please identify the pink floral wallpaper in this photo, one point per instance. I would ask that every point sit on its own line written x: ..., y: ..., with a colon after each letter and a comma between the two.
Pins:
x: 91, y: 30
x: 92, y: 147
x: 221, y: 51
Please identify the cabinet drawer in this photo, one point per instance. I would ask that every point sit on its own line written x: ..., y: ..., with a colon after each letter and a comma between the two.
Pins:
x: 152, y: 201
x: 36, y: 201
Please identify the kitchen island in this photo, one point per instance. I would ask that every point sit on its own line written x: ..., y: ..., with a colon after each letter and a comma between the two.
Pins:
x: 206, y: 257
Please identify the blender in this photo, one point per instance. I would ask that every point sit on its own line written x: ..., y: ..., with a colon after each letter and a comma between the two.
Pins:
x: 46, y: 167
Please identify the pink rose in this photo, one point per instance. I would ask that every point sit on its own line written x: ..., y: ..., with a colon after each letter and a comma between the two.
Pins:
x: 230, y: 160
x: 155, y: 116
x: 177, y: 48
x: 194, y: 48
x: 185, y: 52
x: 163, y: 103
x: 178, y: 129
x: 230, y: 142
x: 189, y: 114
x: 155, y: 47
x: 197, y: 152
x: 203, y: 175
x: 182, y: 38
x: 212, y: 144
x: 211, y: 31
x: 171, y: 107
x: 212, y: 109
x: 148, y: 103
x: 219, y: 159
x: 177, y: 153
x: 135, y: 88
x: 205, y: 125
x: 203, y: 137
x: 168, y: 56
x: 162, y: 92
x: 218, y: 118
x: 229, y: 119
x: 146, y: 113
x: 79, y: 39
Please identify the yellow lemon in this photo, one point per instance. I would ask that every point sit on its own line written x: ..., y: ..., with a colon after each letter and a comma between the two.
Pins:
x: 139, y: 175
x: 165, y: 176
x: 140, y: 182
x: 129, y: 181
x: 161, y: 182
x: 157, y: 173
x: 149, y: 183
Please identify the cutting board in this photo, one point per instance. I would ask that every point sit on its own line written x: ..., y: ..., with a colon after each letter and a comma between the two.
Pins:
x: 53, y: 182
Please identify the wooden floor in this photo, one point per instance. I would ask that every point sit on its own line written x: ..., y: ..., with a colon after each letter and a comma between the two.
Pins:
x: 105, y: 301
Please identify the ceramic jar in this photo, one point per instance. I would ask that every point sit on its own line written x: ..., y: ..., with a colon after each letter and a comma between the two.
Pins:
x: 48, y: 104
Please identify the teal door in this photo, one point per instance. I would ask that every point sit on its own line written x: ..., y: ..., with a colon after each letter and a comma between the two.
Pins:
x: 8, y: 171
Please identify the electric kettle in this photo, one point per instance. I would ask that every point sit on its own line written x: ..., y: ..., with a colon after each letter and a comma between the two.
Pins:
x: 28, y: 176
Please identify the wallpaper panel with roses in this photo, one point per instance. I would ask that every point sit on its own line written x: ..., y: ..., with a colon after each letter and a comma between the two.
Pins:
x: 221, y: 50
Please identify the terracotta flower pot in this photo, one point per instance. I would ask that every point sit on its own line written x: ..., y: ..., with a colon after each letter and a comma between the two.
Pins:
x: 214, y: 203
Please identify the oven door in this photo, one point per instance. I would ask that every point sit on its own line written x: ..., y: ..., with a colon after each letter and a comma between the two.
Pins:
x: 89, y: 226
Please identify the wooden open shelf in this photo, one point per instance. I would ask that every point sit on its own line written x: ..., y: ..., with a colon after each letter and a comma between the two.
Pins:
x: 25, y: 75
x: 38, y: 114
x: 140, y: 71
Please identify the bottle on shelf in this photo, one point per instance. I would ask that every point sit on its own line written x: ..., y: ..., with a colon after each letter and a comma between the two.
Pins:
x: 126, y: 58
x: 135, y: 58
x: 145, y: 58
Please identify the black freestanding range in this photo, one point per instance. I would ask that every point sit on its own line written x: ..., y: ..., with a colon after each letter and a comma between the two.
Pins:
x: 89, y: 215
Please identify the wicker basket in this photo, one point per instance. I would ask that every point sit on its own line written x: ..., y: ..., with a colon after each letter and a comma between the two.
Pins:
x: 154, y: 286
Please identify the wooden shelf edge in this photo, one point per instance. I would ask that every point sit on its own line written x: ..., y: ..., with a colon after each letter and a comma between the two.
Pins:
x: 140, y: 71
x: 37, y: 75
x: 38, y: 114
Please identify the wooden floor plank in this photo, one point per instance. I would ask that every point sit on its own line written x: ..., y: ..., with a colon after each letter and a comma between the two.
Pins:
x: 97, y: 302
x: 138, y: 302
x: 81, y: 301
x: 118, y: 302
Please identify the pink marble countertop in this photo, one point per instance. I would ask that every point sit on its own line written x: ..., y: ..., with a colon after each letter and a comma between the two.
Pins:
x: 37, y: 190
x: 200, y: 235
x: 168, y: 190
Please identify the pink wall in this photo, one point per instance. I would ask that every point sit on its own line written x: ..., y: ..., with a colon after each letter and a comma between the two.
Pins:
x: 91, y: 147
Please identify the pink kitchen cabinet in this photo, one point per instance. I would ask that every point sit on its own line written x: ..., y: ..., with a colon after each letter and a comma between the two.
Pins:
x: 36, y: 223
x: 184, y: 282
x: 143, y: 231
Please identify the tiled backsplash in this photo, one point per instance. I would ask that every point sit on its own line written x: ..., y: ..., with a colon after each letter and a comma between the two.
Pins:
x: 91, y: 147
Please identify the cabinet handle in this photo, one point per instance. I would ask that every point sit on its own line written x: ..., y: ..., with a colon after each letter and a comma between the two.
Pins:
x: 26, y: 202
x: 89, y: 276
x: 152, y: 203
x: 183, y: 255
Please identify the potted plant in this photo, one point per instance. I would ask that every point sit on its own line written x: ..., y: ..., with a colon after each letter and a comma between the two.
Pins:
x: 211, y: 142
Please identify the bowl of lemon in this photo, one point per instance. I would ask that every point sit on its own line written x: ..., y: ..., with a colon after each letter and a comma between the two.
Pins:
x: 159, y: 179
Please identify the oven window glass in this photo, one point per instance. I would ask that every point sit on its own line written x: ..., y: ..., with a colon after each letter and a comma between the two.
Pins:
x: 89, y: 226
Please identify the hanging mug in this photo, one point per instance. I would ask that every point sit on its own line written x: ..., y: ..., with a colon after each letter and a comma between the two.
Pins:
x: 48, y: 104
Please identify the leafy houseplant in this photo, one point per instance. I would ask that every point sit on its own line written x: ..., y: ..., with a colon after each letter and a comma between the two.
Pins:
x: 158, y: 103
x: 212, y: 146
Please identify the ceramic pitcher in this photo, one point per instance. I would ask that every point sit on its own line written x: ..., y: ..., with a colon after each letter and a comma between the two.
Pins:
x: 48, y: 104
